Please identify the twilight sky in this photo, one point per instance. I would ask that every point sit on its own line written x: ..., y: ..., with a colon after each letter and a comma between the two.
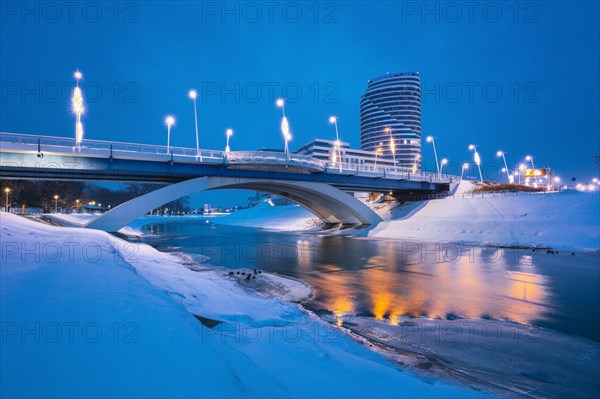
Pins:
x: 522, y: 77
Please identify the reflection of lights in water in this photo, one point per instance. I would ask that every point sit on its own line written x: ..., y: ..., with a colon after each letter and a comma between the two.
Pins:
x: 526, y: 287
x: 341, y: 306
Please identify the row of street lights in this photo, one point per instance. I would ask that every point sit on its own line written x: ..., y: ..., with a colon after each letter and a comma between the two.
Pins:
x: 510, y: 175
x: 170, y: 121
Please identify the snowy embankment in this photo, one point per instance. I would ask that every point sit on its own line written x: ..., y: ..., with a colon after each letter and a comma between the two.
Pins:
x: 265, y: 216
x: 86, y: 314
x: 568, y: 219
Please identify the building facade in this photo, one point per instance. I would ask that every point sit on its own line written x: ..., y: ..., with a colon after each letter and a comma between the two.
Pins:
x: 390, y: 118
x: 327, y: 151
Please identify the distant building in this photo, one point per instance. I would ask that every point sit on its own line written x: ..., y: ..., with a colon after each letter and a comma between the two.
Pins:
x: 393, y: 102
x: 325, y: 150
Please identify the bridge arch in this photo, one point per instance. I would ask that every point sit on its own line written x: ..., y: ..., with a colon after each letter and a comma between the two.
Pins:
x: 330, y: 204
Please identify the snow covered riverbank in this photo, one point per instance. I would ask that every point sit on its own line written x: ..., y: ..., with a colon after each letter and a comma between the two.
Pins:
x: 87, y: 314
x: 568, y: 219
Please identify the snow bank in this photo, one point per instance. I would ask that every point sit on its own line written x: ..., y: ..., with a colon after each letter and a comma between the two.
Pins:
x: 568, y: 219
x: 85, y: 314
x: 72, y: 219
x: 265, y: 216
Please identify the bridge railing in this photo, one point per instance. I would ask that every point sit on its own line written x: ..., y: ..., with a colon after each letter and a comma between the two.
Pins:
x: 389, y: 172
x: 103, y: 149
x: 275, y: 158
x: 100, y: 148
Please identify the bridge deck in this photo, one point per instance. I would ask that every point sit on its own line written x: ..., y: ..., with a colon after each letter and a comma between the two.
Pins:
x: 46, y: 157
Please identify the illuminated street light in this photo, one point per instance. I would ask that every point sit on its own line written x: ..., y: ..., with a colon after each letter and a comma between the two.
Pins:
x: 228, y: 133
x: 442, y: 163
x: 431, y: 140
x: 378, y: 151
x: 529, y: 158
x: 7, y: 191
x: 464, y: 167
x: 78, y: 108
x: 193, y: 94
x: 392, y: 148
x: 414, y: 168
x: 508, y: 175
x: 333, y: 120
x: 56, y: 204
x: 477, y: 159
x: 285, y: 127
x: 169, y: 121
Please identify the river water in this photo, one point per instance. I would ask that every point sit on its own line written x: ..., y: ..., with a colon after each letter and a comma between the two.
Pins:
x: 386, y: 282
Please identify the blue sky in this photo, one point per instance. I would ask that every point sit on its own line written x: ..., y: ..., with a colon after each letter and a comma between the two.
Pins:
x: 523, y: 78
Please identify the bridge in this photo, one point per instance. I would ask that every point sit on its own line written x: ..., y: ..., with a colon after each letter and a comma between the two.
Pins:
x: 322, y: 188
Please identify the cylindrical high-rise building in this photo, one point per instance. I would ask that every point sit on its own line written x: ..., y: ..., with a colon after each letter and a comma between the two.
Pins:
x: 392, y: 104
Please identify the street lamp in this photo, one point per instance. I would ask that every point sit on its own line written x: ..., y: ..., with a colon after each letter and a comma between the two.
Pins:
x: 285, y: 127
x: 392, y: 148
x: 56, y: 204
x: 477, y: 160
x: 378, y: 151
x: 464, y: 167
x: 169, y: 121
x: 228, y: 133
x: 432, y: 141
x: 521, y: 169
x: 6, y: 190
x: 78, y: 108
x: 193, y: 94
x: 508, y: 176
x: 444, y: 162
x: 76, y: 206
x: 414, y: 168
x: 333, y: 120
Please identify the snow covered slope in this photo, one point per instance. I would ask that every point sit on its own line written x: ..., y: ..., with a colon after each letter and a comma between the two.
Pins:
x: 86, y: 314
x: 569, y: 219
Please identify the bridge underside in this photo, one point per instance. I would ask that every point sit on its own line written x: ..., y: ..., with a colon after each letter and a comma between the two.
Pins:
x: 330, y: 204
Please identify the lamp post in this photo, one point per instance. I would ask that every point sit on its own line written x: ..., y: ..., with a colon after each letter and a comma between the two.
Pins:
x: 78, y: 108
x: 521, y: 169
x: 529, y: 158
x: 392, y: 148
x: 76, y: 206
x: 193, y: 94
x: 285, y: 127
x: 442, y: 163
x: 169, y: 121
x: 464, y: 167
x: 477, y: 160
x: 431, y: 140
x: 228, y: 133
x: 333, y: 120
x: 414, y: 168
x: 7, y: 191
x: 508, y: 175
x: 56, y: 204
x: 378, y: 151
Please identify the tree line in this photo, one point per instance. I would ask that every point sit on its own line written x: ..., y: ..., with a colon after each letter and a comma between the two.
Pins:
x: 74, y: 195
